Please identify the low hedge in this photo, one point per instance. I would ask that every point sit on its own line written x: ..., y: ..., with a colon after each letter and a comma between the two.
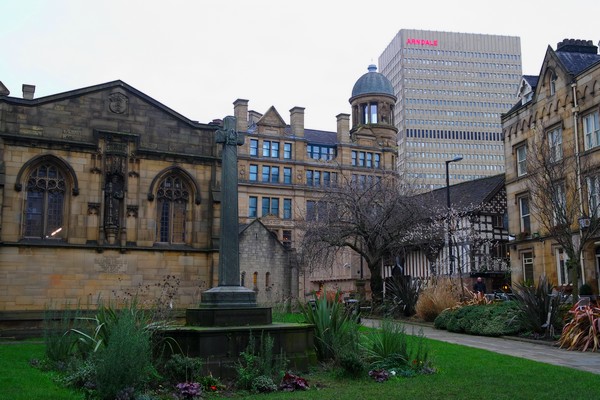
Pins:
x: 495, y: 319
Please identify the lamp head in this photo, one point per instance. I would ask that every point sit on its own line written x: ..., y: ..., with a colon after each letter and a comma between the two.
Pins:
x: 455, y: 159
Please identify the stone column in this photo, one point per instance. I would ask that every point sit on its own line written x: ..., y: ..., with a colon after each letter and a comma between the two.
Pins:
x: 229, y: 293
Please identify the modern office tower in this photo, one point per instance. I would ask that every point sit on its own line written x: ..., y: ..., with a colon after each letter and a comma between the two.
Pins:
x: 451, y: 90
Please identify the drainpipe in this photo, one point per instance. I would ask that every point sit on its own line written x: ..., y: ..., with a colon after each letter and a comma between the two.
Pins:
x: 578, y: 175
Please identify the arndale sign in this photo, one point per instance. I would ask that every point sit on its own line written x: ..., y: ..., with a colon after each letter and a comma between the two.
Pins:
x: 422, y: 42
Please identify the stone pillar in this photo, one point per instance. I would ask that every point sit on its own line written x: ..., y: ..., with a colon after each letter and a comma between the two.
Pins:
x: 229, y: 293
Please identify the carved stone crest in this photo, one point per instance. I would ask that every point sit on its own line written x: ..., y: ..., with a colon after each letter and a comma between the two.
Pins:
x: 118, y: 103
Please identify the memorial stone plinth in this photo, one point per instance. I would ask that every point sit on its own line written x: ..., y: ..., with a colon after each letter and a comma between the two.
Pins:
x: 227, y: 318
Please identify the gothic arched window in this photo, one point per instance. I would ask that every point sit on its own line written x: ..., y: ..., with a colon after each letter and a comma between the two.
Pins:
x: 172, y: 202
x: 45, y: 203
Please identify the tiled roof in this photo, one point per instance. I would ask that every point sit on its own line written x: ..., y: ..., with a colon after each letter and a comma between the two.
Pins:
x: 314, y: 136
x: 517, y: 105
x: 577, y: 62
x: 465, y: 195
x: 320, y: 137
x: 532, y: 80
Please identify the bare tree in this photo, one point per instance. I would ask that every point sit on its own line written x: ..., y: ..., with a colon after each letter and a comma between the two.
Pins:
x: 369, y: 214
x: 560, y: 196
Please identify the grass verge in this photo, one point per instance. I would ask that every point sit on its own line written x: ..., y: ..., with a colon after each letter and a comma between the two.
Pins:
x: 462, y: 373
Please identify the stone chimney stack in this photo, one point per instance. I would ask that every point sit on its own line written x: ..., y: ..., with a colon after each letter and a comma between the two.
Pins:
x: 577, y: 46
x: 240, y: 112
x: 254, y: 116
x: 343, y: 128
x: 28, y: 91
x: 297, y: 121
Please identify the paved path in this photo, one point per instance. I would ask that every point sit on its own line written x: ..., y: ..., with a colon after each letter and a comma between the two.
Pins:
x: 545, y: 353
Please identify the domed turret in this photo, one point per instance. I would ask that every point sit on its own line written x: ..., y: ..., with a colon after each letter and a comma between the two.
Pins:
x: 372, y: 82
x: 373, y: 102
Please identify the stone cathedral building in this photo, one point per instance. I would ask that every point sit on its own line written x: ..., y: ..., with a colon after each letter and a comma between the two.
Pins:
x: 104, y: 190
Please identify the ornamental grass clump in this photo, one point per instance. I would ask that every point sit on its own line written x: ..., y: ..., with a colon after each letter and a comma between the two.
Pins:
x: 582, y: 331
x: 390, y: 348
x: 127, y: 359
x: 440, y: 294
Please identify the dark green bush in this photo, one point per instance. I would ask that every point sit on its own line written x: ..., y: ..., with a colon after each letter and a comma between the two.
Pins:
x: 456, y: 323
x: 180, y: 368
x: 263, y: 384
x: 496, y: 319
x: 441, y: 321
x: 352, y: 364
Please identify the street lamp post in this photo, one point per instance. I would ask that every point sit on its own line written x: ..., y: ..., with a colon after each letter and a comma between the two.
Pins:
x: 448, y: 204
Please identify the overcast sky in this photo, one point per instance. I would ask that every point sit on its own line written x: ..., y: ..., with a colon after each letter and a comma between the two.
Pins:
x: 198, y: 56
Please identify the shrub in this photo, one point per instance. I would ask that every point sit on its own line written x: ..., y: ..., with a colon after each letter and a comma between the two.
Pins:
x: 188, y: 390
x: 582, y: 331
x: 494, y: 319
x: 537, y: 306
x: 291, y: 382
x: 211, y: 383
x: 259, y: 362
x: 441, y: 294
x: 179, y: 368
x: 441, y: 321
x: 126, y: 361
x: 80, y: 374
x: 336, y: 331
x: 263, y: 384
x: 501, y: 320
x: 402, y: 294
x: 352, y: 364
x: 388, y: 348
x: 379, y: 375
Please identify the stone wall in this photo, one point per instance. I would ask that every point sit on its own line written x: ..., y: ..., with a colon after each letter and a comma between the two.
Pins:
x: 262, y: 254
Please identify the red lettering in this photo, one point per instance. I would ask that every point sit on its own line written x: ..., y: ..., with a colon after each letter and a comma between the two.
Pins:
x: 422, y: 42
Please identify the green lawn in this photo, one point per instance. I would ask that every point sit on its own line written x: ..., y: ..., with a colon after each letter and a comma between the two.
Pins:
x: 20, y: 381
x: 463, y: 373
